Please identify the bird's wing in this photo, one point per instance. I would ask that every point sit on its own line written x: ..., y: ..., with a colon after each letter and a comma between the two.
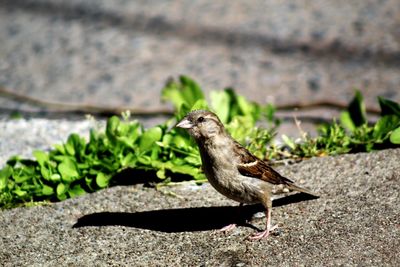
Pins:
x: 251, y: 166
x: 259, y: 169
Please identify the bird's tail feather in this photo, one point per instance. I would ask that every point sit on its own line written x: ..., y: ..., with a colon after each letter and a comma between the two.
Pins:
x: 301, y: 189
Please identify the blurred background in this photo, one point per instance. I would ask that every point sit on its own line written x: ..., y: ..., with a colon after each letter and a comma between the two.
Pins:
x: 119, y: 53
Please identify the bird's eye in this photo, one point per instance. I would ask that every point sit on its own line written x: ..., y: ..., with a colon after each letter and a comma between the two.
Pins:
x: 200, y: 119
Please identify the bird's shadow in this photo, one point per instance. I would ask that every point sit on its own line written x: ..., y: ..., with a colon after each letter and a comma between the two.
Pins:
x: 185, y: 219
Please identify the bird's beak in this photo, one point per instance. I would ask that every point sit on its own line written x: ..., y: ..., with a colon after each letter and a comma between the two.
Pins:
x: 185, y: 124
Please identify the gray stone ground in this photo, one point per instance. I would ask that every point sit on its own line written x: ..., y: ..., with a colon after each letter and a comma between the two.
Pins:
x: 120, y: 53
x: 355, y: 222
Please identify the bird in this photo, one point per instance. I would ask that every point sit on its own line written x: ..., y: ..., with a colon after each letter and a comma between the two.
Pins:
x: 232, y: 169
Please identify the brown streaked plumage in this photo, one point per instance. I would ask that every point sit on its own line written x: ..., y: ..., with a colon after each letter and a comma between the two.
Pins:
x: 231, y: 169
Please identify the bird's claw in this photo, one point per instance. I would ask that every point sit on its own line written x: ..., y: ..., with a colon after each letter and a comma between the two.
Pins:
x: 227, y: 228
x: 263, y: 234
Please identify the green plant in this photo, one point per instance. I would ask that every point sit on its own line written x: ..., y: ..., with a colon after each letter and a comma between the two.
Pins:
x: 353, y: 134
x: 79, y: 166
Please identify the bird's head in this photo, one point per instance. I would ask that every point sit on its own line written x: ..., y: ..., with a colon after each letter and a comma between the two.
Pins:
x: 201, y: 124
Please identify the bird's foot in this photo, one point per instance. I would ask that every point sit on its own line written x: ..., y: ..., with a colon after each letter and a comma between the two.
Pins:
x: 227, y: 228
x: 263, y: 234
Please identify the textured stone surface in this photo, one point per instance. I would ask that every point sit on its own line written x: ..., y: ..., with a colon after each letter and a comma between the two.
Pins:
x: 115, y: 53
x: 354, y: 223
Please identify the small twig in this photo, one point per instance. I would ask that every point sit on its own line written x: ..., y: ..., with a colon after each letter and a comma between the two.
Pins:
x: 170, y: 193
x: 78, y: 108
x: 109, y: 111
x: 303, y: 134
x: 323, y: 103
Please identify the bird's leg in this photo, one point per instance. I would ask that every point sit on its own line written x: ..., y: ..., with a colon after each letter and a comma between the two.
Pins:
x: 231, y: 226
x: 268, y: 227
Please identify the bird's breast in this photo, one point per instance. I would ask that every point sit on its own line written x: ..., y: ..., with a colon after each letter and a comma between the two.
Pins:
x: 219, y: 165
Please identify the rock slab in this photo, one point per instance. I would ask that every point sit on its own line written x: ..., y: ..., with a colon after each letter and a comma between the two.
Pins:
x: 355, y: 222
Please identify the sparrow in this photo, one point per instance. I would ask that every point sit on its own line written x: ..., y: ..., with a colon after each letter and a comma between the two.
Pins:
x: 231, y: 169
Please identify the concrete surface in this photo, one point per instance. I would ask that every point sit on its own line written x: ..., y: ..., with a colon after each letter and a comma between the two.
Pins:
x: 120, y: 53
x: 354, y: 223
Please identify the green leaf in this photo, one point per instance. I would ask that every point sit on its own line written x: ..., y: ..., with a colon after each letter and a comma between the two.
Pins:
x: 19, y: 192
x: 55, y: 177
x: 47, y: 190
x: 248, y: 108
x: 41, y: 157
x: 384, y: 126
x: 68, y: 170
x: 185, y: 169
x: 187, y: 92
x: 69, y: 148
x: 356, y: 110
x: 389, y: 107
x: 289, y: 142
x: 395, y: 136
x: 346, y: 121
x: 161, y: 166
x: 155, y: 151
x: 21, y: 177
x: 195, y: 161
x: 62, y: 197
x: 199, y: 104
x: 161, y: 173
x: 45, y: 172
x: 181, y: 141
x: 62, y: 189
x: 149, y: 138
x: 220, y: 103
x: 60, y: 148
x: 269, y: 112
x: 134, y: 131
x: 171, y: 92
x: 88, y: 182
x: 76, y: 190
x: 228, y: 105
x: 194, y: 93
x: 5, y: 174
x: 70, y: 145
x: 112, y: 126
x: 102, y: 180
x: 129, y: 160
x: 75, y: 145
